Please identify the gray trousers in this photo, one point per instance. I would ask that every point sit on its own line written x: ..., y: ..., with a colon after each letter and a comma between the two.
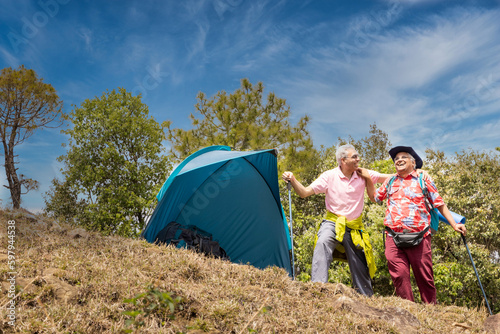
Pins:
x: 322, y: 259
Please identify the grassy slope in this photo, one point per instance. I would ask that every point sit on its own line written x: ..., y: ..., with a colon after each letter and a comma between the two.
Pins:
x: 77, y: 283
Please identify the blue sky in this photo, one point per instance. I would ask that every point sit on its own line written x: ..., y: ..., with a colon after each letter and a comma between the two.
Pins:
x: 427, y: 72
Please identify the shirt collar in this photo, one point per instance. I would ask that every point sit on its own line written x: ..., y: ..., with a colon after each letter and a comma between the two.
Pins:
x: 353, y: 176
x: 342, y: 176
x: 413, y: 173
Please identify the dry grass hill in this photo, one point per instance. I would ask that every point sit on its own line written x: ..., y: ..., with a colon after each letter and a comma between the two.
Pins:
x: 68, y: 280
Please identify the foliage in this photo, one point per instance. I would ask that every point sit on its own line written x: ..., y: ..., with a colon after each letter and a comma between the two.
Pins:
x: 383, y: 166
x: 243, y: 121
x: 469, y: 184
x: 305, y: 228
x: 373, y: 219
x: 373, y: 148
x: 26, y: 104
x: 313, y: 206
x: 62, y: 201
x: 114, y: 164
x: 154, y: 303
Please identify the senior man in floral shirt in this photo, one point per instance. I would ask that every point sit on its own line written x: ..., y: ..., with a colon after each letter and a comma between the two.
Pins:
x: 406, y: 211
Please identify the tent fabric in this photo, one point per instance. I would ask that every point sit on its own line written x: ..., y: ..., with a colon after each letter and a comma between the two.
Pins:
x: 233, y: 195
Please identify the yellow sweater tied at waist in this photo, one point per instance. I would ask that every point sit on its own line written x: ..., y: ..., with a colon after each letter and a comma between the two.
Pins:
x: 359, y: 236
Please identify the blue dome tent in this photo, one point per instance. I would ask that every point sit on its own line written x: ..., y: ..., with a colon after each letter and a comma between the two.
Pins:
x: 233, y: 195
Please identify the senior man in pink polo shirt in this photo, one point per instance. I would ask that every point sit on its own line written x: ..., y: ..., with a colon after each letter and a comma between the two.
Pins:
x: 342, y: 234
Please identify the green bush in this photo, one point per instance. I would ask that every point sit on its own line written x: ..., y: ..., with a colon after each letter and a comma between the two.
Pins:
x: 154, y: 303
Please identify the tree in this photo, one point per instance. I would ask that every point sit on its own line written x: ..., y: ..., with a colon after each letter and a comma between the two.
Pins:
x: 26, y: 104
x: 114, y: 165
x: 470, y: 183
x: 373, y: 148
x: 242, y: 121
x: 62, y: 201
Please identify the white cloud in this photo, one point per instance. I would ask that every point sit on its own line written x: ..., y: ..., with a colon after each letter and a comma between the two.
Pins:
x: 196, y: 46
x: 406, y: 79
x: 86, y: 35
x: 9, y: 58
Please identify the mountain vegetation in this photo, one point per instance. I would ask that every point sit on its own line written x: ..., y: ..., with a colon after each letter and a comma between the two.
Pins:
x: 116, y: 161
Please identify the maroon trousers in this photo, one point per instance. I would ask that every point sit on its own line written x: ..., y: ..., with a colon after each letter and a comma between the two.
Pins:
x: 419, y: 258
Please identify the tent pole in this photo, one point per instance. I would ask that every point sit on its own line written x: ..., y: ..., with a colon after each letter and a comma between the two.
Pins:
x: 289, y: 186
x: 477, y: 275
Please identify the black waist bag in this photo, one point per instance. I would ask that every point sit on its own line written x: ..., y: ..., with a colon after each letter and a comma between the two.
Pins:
x: 407, y: 239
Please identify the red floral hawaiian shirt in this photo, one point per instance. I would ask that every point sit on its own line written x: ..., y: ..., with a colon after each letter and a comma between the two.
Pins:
x: 406, y: 206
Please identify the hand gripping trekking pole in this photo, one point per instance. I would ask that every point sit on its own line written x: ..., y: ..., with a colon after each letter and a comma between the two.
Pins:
x: 477, y: 275
x: 289, y: 186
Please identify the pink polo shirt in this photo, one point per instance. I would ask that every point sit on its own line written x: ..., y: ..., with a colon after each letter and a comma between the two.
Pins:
x: 343, y: 196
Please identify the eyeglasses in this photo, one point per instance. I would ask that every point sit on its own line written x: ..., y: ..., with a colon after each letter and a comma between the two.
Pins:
x: 396, y: 159
x: 355, y: 156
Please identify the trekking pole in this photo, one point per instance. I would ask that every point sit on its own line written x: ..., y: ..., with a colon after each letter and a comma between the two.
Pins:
x: 477, y: 275
x: 289, y: 186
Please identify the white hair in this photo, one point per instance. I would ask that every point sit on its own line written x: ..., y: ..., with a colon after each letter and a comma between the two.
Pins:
x: 342, y: 152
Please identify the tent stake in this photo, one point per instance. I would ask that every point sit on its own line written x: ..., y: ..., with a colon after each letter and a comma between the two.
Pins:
x: 289, y: 186
x: 477, y: 275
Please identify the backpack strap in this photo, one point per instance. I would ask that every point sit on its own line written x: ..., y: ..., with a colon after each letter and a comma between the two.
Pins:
x: 425, y: 191
x: 387, y: 189
x: 422, y: 184
x: 429, y: 205
x: 389, y: 185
